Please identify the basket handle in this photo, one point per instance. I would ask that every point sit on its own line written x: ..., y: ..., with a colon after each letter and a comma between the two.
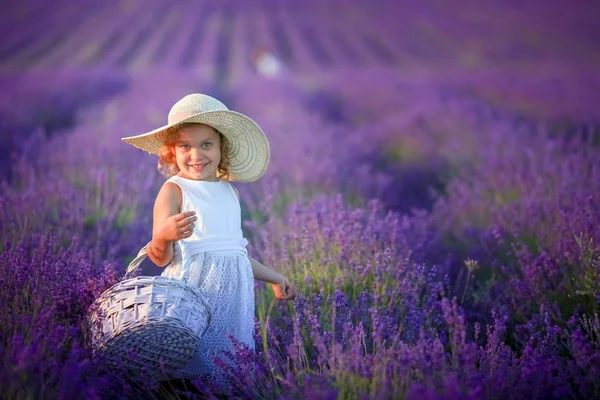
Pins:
x: 137, y: 261
x: 143, y: 253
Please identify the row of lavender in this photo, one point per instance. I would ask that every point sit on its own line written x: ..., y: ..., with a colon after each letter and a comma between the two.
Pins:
x: 310, y: 37
x: 511, y: 232
x: 182, y: 36
x: 376, y: 315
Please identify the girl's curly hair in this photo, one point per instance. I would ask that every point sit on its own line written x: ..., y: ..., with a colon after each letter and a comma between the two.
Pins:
x: 167, y: 165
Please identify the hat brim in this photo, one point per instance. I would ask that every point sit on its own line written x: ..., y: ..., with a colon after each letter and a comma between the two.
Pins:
x: 249, y: 151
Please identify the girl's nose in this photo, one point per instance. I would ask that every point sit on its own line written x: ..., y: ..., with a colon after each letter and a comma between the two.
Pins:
x: 196, y: 154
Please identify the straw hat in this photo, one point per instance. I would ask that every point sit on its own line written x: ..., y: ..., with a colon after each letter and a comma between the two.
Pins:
x: 249, y: 148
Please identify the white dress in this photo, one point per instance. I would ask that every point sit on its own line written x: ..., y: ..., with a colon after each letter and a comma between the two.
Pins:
x: 214, y: 259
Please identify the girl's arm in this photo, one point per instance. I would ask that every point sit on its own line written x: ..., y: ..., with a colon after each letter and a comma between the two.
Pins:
x: 169, y: 224
x: 281, y: 286
x: 263, y: 273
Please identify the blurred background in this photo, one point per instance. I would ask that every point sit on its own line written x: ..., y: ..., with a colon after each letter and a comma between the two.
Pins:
x: 352, y: 62
x: 392, y: 68
x: 537, y: 58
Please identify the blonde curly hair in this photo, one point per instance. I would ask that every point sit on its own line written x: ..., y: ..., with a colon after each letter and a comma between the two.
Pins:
x: 167, y: 165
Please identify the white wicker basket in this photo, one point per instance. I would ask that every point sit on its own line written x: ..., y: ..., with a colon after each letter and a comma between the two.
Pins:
x: 148, y: 323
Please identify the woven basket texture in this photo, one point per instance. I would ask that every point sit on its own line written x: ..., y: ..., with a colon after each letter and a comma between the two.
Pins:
x: 148, y: 325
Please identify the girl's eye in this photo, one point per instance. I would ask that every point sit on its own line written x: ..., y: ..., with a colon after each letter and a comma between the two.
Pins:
x: 185, y: 146
x: 206, y: 145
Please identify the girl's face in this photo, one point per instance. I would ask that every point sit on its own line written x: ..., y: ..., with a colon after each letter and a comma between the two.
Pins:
x: 198, y: 153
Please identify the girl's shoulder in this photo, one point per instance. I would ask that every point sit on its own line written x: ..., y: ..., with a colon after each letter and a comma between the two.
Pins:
x: 169, y: 195
x: 171, y: 187
x: 233, y: 187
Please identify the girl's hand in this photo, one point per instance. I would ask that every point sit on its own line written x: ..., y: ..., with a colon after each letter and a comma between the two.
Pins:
x: 283, y: 290
x: 176, y: 227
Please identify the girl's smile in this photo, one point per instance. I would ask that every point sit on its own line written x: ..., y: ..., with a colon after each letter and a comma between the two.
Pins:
x: 198, y: 167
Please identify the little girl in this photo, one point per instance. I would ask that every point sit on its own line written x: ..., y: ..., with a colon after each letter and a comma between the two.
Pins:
x: 197, y: 231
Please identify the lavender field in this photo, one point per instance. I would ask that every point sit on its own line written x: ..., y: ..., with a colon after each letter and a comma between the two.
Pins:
x: 434, y: 189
